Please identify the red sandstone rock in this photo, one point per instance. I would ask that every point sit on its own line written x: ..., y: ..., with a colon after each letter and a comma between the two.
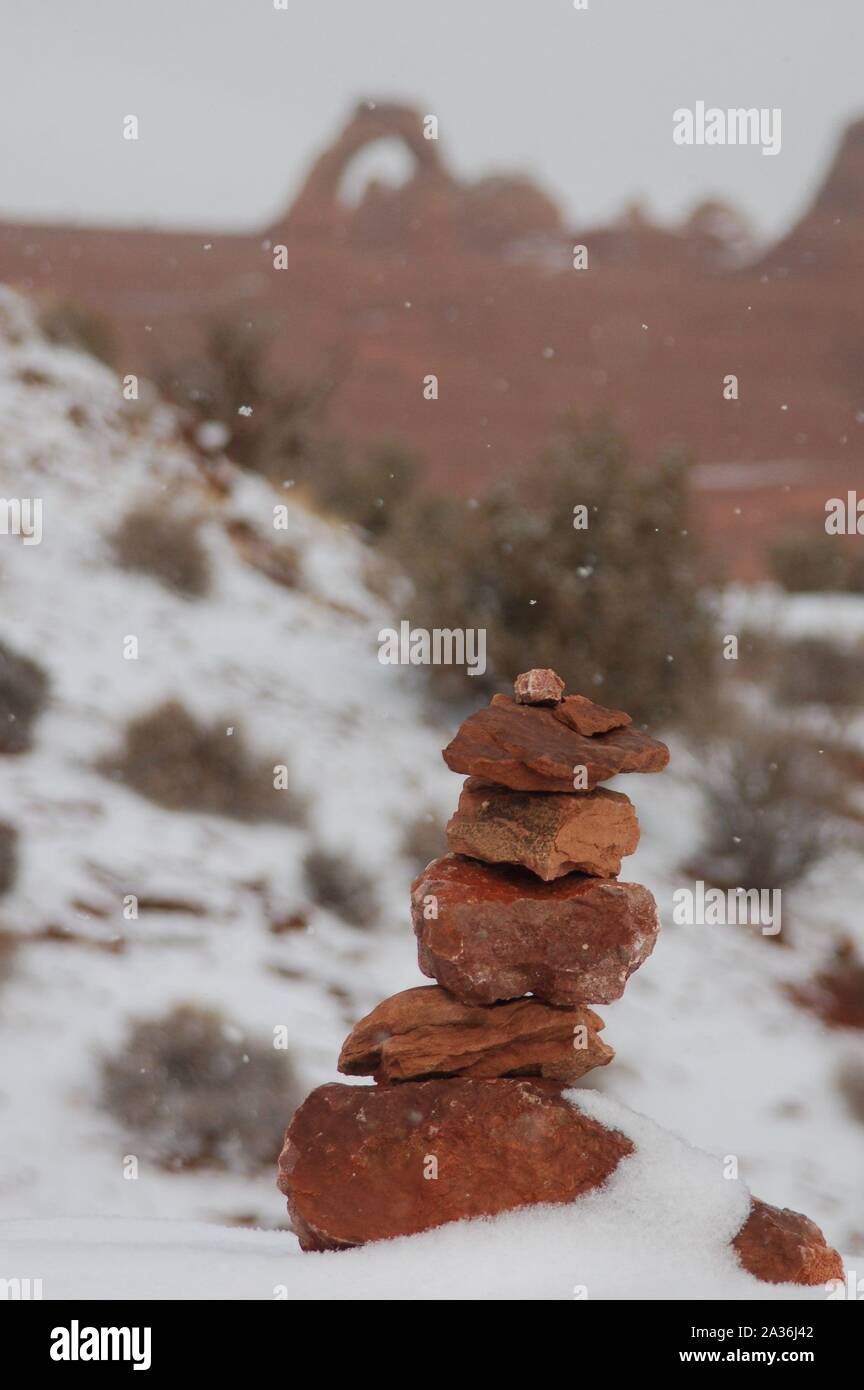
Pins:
x: 356, y: 1167
x: 547, y: 832
x: 487, y: 933
x: 780, y: 1246
x: 425, y: 1032
x: 529, y: 748
x: 539, y: 686
x: 585, y: 717
x: 355, y: 1158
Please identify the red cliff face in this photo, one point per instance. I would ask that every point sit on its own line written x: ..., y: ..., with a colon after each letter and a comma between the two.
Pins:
x: 475, y: 283
x: 827, y: 241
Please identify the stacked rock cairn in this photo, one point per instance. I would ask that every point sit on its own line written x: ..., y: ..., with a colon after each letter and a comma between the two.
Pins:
x: 523, y: 925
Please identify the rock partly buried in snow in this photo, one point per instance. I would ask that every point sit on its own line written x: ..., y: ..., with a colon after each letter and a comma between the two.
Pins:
x: 780, y: 1246
x: 365, y: 1163
x: 489, y: 932
x: 539, y: 686
x: 531, y: 748
x: 549, y: 833
x: 425, y: 1032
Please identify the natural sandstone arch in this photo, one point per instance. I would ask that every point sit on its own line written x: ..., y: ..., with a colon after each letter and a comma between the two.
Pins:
x: 318, y: 209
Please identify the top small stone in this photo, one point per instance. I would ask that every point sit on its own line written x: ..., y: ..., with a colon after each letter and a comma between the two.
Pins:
x: 538, y: 687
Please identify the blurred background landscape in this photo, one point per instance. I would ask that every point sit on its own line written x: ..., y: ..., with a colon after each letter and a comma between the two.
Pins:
x: 281, y: 281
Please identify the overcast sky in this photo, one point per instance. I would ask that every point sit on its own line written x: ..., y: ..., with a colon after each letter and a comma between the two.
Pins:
x: 235, y: 98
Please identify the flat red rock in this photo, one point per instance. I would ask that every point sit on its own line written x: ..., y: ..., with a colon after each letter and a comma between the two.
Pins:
x: 549, y: 833
x: 357, y: 1160
x: 488, y: 932
x: 425, y: 1032
x: 530, y: 748
x: 581, y: 714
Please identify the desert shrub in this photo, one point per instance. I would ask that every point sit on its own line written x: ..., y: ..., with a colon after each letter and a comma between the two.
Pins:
x: 73, y: 325
x: 815, y: 670
x: 367, y: 488
x: 276, y: 432
x: 805, y: 563
x: 615, y: 608
x: 184, y: 765
x: 339, y: 885
x: 8, y: 856
x: 850, y: 1084
x: 152, y: 541
x: 23, y: 694
x: 191, y: 1090
x: 765, y: 823
x: 9, y: 947
x: 423, y: 840
x: 283, y: 436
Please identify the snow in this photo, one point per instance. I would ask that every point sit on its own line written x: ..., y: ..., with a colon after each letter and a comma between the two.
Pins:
x: 660, y: 1226
x: 707, y: 1043
x: 768, y: 608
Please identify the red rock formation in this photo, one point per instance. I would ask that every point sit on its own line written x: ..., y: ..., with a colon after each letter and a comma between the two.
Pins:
x: 827, y: 239
x: 357, y: 1160
x: 372, y: 1163
x: 425, y: 1032
x: 586, y: 717
x: 487, y: 933
x: 530, y: 748
x: 780, y: 1246
x: 538, y: 687
x: 452, y: 1129
x: 548, y: 833
x: 646, y: 334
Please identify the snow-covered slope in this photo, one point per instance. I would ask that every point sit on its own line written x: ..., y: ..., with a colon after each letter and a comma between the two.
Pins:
x: 296, y: 670
x: 706, y: 1042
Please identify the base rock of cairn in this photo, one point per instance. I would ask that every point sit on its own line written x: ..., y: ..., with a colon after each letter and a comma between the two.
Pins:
x: 523, y: 925
x: 355, y: 1168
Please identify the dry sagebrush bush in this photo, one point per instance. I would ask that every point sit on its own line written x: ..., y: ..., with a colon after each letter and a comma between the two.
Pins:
x: 9, y: 946
x: 229, y: 374
x: 765, y: 822
x: 368, y: 489
x: 814, y: 562
x: 614, y: 607
x: 423, y: 840
x: 340, y: 886
x: 8, y: 856
x: 72, y: 325
x: 23, y: 695
x: 151, y: 540
x: 191, y: 1090
x: 184, y: 765
x: 850, y: 1083
x: 815, y: 670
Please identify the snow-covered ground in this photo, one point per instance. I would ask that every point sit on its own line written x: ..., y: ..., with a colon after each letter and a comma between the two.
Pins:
x: 660, y: 1228
x: 707, y: 1044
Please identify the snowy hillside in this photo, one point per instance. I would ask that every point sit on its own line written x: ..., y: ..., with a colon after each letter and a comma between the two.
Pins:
x: 707, y: 1044
x: 296, y: 670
